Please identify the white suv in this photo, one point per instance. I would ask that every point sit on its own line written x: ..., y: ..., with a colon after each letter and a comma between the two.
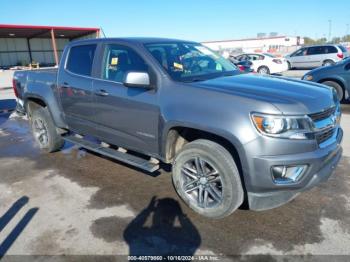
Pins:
x: 316, y: 56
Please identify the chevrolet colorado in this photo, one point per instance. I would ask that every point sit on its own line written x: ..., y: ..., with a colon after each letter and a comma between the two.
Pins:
x: 230, y: 137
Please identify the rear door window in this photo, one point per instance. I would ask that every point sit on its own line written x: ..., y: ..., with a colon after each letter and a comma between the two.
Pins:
x: 316, y: 50
x: 80, y: 59
x: 331, y: 49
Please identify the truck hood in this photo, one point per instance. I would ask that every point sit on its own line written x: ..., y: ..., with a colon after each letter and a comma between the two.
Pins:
x: 288, y: 95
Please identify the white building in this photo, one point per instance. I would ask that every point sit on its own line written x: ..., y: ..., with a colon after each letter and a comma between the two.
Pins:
x: 264, y: 44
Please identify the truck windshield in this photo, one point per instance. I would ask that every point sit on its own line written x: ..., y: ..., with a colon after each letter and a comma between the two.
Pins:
x: 188, y: 62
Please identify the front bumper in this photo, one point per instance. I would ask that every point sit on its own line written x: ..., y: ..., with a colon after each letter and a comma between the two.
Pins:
x: 264, y: 194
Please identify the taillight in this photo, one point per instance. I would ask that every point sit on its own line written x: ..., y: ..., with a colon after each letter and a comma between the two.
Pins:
x: 340, y: 55
x: 277, y: 61
x: 14, y: 86
x: 241, y: 67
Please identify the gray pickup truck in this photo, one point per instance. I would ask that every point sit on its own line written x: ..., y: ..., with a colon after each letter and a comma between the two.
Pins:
x: 230, y: 138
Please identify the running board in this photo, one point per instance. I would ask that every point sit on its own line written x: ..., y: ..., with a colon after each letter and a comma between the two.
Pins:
x: 113, y: 153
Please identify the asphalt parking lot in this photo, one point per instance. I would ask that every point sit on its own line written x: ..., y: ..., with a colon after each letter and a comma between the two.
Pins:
x: 74, y: 202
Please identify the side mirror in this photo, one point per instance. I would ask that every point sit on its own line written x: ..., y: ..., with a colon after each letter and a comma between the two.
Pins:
x: 137, y: 79
x: 347, y: 67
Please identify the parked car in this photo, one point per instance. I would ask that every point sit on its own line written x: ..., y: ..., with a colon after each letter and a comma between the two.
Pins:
x: 229, y: 137
x: 265, y: 63
x: 336, y: 76
x: 316, y: 56
x: 243, y: 66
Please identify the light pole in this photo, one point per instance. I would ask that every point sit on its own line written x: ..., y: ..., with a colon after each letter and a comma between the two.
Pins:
x: 330, y: 30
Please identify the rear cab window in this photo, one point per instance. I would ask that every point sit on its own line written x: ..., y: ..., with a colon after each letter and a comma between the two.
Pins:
x: 80, y: 59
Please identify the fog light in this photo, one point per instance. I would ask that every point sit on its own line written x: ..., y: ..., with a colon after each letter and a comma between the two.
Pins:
x: 287, y: 174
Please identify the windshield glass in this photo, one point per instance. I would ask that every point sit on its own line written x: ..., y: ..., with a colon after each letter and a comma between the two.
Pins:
x: 189, y: 62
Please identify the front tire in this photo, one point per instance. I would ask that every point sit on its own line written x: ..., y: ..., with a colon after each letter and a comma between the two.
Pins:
x: 337, y: 87
x: 44, y: 130
x: 207, y: 179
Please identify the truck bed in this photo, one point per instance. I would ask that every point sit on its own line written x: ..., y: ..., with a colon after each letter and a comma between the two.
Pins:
x: 23, y: 78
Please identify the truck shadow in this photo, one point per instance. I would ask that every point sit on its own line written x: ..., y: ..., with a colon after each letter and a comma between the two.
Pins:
x: 21, y: 225
x: 162, y: 229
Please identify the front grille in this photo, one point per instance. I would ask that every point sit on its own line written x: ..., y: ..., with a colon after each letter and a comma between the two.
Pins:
x: 324, y: 135
x: 322, y: 115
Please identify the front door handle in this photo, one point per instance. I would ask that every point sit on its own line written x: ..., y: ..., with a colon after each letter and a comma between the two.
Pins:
x: 102, y: 93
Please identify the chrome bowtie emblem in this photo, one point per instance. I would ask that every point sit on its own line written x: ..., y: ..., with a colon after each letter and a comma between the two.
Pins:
x: 334, y: 120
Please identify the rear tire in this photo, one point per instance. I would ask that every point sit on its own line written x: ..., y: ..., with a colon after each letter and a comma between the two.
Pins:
x: 337, y: 87
x: 207, y: 179
x: 264, y: 70
x: 328, y: 63
x: 44, y: 130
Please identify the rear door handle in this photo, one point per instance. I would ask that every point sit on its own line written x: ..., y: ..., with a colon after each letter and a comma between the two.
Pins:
x: 102, y: 93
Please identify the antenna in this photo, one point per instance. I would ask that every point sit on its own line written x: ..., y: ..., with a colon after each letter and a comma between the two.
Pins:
x: 103, y: 32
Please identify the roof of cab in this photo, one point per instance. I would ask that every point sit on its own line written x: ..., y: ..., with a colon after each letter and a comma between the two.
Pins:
x: 139, y: 40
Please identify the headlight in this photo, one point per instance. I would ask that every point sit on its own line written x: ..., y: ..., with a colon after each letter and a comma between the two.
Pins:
x: 293, y: 127
x: 308, y: 77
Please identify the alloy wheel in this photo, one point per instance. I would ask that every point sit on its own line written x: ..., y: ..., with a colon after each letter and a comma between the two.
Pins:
x: 40, y: 132
x: 202, y: 183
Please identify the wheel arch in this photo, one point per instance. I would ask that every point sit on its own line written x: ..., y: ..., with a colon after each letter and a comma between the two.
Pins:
x: 328, y: 59
x: 332, y: 79
x: 176, y: 136
x: 34, y: 100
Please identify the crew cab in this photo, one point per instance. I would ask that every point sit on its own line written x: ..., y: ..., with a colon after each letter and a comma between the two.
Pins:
x: 230, y: 138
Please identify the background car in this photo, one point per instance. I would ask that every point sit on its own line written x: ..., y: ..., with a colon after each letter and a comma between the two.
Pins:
x: 265, y: 63
x: 336, y: 76
x: 316, y: 56
x: 243, y: 66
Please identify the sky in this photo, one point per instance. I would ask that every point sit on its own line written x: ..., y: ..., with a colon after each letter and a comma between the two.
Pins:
x: 198, y: 20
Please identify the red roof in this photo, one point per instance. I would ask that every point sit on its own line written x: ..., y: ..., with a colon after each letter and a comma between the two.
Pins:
x: 35, y: 31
